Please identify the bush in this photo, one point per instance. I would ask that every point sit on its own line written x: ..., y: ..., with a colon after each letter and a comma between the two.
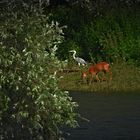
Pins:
x: 31, y: 104
x: 111, y: 33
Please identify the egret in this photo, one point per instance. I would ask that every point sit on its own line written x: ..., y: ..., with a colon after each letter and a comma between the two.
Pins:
x: 78, y: 59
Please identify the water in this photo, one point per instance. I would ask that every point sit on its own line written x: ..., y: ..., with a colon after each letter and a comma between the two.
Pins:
x: 112, y: 117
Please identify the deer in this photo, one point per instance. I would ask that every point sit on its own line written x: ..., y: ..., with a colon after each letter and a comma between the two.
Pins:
x: 95, y: 69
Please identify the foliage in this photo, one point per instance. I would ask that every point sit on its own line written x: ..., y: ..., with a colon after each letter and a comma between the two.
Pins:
x: 31, y: 104
x: 111, y: 33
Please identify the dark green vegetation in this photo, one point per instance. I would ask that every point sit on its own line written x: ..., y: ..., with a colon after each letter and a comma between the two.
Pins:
x: 32, y: 104
x: 112, y: 33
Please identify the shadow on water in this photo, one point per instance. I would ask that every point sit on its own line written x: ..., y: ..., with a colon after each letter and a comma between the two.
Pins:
x: 112, y: 117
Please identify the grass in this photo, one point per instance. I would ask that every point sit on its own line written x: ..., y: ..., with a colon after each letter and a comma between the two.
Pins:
x: 125, y: 78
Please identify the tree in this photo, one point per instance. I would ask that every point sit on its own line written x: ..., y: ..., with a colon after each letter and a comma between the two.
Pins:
x: 31, y: 104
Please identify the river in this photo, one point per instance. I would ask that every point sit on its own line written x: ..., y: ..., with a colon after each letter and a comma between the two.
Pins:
x: 112, y: 116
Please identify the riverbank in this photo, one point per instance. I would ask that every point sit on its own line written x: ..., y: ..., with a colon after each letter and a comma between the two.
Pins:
x: 125, y: 78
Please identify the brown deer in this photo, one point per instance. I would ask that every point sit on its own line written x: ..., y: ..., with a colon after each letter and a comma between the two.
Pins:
x: 95, y: 69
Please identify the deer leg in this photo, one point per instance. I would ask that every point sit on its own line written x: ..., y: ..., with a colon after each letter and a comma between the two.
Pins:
x: 104, y: 78
x: 97, y: 78
x: 91, y: 78
x: 110, y: 74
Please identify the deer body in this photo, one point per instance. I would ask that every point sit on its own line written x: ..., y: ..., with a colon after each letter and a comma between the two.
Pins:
x: 95, y: 69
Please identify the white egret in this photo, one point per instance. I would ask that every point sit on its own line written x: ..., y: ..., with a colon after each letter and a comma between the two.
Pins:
x: 79, y: 60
